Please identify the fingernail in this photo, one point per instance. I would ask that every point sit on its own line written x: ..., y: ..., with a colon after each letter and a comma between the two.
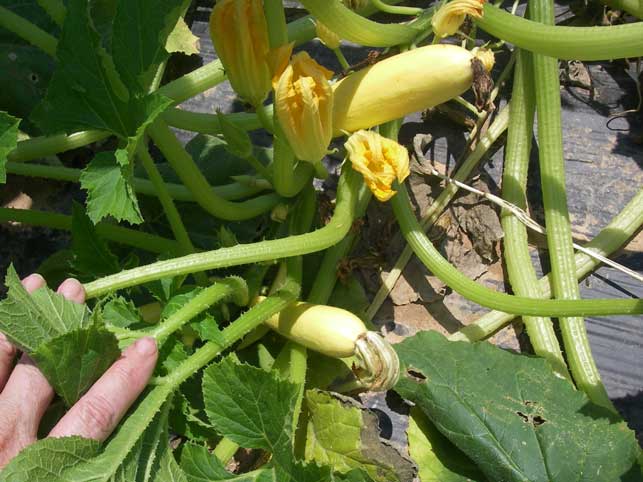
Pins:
x: 145, y: 346
x: 71, y: 288
x: 33, y: 282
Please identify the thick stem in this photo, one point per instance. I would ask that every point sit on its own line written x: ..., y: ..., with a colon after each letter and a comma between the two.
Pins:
x: 441, y: 268
x: 118, y: 234
x: 318, y: 240
x: 195, y: 181
x: 611, y: 238
x: 276, y: 20
x: 522, y: 275
x: 289, y: 177
x: 55, y: 9
x: 209, y: 123
x: 394, y: 9
x: 559, y: 232
x: 28, y: 31
x: 568, y: 43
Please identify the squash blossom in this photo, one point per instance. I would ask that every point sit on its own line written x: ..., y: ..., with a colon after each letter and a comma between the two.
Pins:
x: 304, y: 107
x: 449, y: 17
x: 240, y: 36
x: 380, y: 160
x: 408, y: 82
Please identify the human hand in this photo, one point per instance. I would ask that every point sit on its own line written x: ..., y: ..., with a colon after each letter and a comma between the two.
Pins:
x: 25, y: 393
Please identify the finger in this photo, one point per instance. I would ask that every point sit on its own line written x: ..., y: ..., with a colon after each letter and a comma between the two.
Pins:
x: 26, y: 389
x: 98, y: 412
x: 7, y: 354
x: 72, y: 290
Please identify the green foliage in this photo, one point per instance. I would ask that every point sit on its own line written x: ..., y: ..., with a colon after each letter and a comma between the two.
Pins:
x: 8, y: 140
x: 358, y: 446
x: 91, y: 253
x: 510, y: 413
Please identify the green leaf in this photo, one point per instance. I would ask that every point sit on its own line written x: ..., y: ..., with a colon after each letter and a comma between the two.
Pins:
x: 141, y: 29
x: 251, y: 407
x: 91, y: 253
x: 511, y: 415
x: 8, y: 140
x: 74, y: 361
x: 437, y: 459
x: 109, y: 191
x: 49, y: 459
x: 356, y: 445
x: 200, y: 465
x: 29, y: 320
x: 181, y: 39
x: 120, y: 313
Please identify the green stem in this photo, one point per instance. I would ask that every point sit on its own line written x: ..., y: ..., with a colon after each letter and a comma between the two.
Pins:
x: 273, y: 249
x: 265, y: 115
x: 559, y: 232
x: 39, y: 147
x: 171, y: 213
x: 209, y: 123
x: 118, y: 234
x: 28, y: 31
x: 206, y: 298
x: 342, y: 59
x: 276, y: 20
x: 252, y: 318
x: 496, y: 129
x: 394, y: 9
x: 569, y: 43
x: 288, y: 176
x: 522, y: 275
x: 352, y: 26
x: 611, y: 238
x: 441, y: 268
x: 178, y: 192
x: 55, y: 9
x: 195, y: 181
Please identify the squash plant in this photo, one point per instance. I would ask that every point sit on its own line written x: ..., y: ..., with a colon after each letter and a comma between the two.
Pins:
x: 209, y: 297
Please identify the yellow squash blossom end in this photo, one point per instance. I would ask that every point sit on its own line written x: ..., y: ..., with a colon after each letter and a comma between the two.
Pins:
x: 380, y: 160
x: 448, y: 19
x: 240, y: 36
x: 329, y: 38
x: 304, y: 107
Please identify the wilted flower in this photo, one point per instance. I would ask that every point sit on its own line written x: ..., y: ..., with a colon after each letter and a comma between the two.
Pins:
x: 355, y: 4
x: 380, y: 160
x: 304, y: 107
x: 240, y: 36
x: 447, y: 20
x: 329, y: 38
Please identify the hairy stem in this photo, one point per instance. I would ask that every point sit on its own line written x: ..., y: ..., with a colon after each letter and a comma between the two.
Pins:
x: 568, y: 43
x: 273, y: 249
x: 28, y: 31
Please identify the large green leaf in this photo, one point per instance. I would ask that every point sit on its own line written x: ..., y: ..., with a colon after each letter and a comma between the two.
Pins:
x: 251, y: 407
x: 356, y: 445
x: 141, y: 29
x: 8, y: 140
x: 512, y: 416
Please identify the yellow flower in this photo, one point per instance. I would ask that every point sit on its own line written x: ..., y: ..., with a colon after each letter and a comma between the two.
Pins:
x: 329, y: 38
x: 304, y: 107
x: 447, y: 20
x: 240, y: 36
x: 380, y: 160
